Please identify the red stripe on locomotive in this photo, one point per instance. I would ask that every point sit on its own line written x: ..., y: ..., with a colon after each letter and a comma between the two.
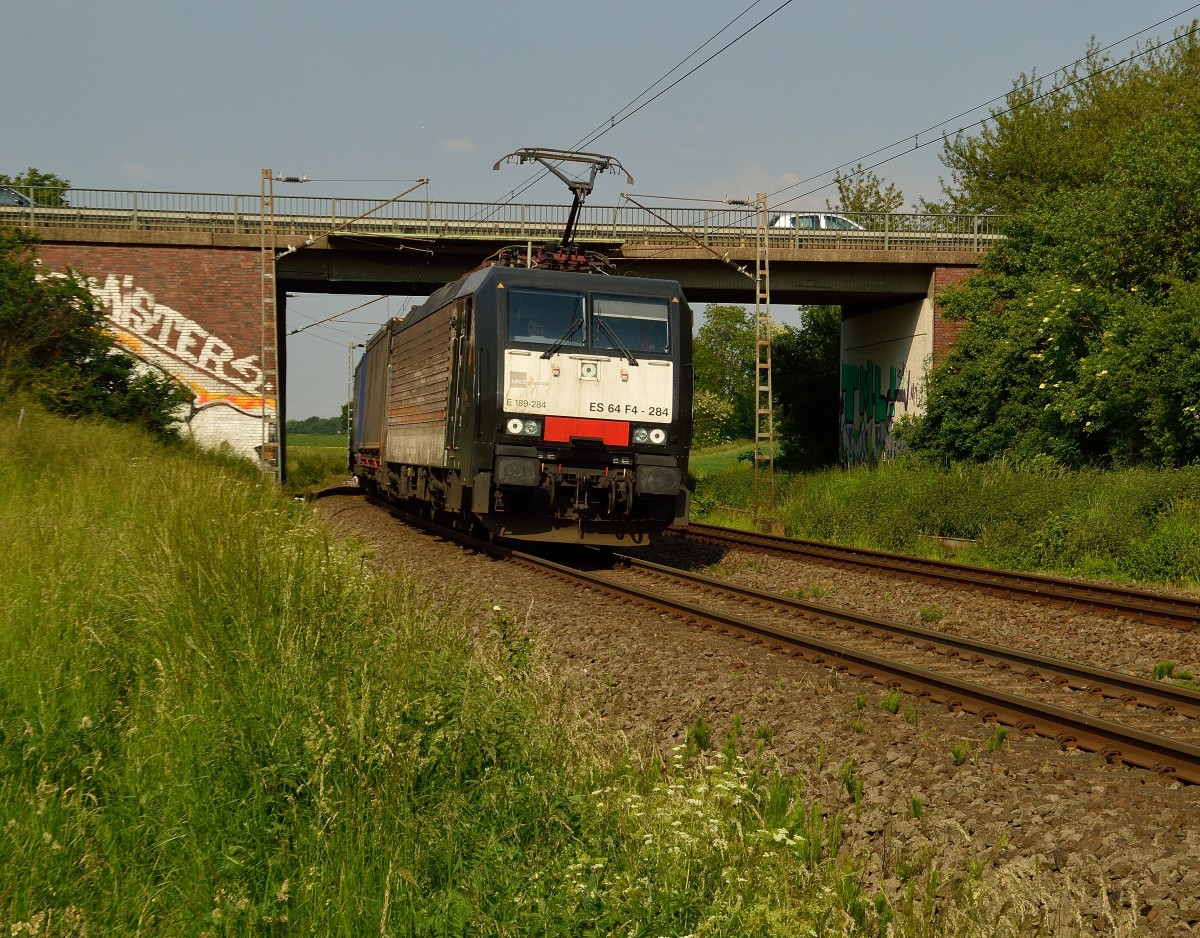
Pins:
x: 611, y: 432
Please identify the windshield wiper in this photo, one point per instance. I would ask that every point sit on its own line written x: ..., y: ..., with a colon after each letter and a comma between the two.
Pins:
x: 612, y: 335
x: 562, y: 340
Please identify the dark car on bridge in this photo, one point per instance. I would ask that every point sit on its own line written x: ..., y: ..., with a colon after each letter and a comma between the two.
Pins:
x: 10, y: 196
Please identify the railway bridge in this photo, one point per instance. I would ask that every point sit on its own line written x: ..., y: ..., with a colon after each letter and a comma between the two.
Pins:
x: 196, y: 283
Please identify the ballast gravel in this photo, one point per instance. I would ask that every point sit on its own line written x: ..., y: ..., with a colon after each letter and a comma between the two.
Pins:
x: 1058, y: 839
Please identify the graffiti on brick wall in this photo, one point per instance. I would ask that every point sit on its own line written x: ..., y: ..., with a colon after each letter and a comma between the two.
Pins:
x: 870, y: 408
x: 226, y: 383
x: 227, y: 387
x: 164, y: 337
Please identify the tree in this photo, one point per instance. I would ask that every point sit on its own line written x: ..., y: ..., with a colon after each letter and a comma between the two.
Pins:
x: 861, y: 191
x: 710, y: 418
x: 1083, y: 336
x: 42, y: 188
x: 806, y: 379
x: 54, y: 346
x: 1082, y: 343
x: 723, y: 352
x: 1044, y: 141
x: 321, y: 425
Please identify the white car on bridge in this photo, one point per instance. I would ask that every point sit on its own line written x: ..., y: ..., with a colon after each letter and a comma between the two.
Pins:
x: 815, y: 221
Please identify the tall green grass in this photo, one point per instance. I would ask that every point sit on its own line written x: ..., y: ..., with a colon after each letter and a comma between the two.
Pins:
x: 215, y: 721
x: 314, y: 467
x: 716, y: 459
x: 1136, y: 524
x: 322, y: 440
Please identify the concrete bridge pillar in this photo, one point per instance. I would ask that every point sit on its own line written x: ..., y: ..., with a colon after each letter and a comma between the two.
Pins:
x: 886, y: 356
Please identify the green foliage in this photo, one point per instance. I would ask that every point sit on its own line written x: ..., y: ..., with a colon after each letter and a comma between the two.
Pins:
x: 317, y: 440
x: 806, y: 379
x: 1082, y: 337
x: 714, y: 459
x: 891, y: 702
x: 320, y: 425
x: 861, y: 191
x: 1043, y: 141
x: 1166, y: 671
x: 1132, y: 524
x: 852, y: 781
x: 41, y: 188
x: 310, y: 468
x: 699, y: 737
x: 995, y: 742
x: 959, y: 752
x: 211, y: 719
x: 723, y: 352
x: 712, y: 415
x: 54, y: 346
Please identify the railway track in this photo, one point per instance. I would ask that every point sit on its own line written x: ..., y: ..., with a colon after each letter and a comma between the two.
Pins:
x: 1005, y: 686
x: 1178, y: 612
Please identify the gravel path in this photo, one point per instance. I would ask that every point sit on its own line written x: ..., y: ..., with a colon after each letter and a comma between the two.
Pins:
x: 1079, y: 846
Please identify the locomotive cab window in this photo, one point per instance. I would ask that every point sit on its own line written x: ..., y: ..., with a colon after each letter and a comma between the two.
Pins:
x: 543, y: 317
x: 638, y: 323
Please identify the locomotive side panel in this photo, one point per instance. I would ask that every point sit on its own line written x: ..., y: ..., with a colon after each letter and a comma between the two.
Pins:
x: 370, y: 387
x: 418, y: 391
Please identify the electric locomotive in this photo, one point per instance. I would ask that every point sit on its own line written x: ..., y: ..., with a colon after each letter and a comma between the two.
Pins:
x: 550, y: 405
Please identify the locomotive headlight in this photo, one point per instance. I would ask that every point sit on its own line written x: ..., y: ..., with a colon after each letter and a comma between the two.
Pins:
x: 523, y: 426
x: 641, y: 435
x: 658, y: 435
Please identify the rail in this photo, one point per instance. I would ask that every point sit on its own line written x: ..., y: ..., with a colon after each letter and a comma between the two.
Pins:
x: 45, y: 209
x: 1180, y: 612
x: 1117, y: 742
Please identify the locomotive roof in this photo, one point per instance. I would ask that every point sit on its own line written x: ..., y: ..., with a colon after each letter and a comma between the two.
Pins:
x: 484, y: 277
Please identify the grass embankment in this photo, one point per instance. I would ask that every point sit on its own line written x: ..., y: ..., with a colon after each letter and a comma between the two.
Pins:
x: 1138, y: 525
x: 315, y: 461
x: 213, y: 721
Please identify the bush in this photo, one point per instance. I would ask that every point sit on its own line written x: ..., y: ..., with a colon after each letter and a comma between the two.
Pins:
x: 55, y: 348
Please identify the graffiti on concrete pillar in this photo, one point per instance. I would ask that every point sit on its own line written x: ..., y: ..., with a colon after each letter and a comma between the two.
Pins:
x: 226, y: 382
x: 871, y: 403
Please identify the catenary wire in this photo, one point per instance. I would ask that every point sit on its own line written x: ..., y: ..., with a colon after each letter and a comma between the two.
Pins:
x: 1032, y: 81
x: 612, y: 121
x: 1151, y: 48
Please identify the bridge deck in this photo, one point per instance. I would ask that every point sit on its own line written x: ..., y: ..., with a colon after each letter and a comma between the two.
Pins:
x: 240, y: 219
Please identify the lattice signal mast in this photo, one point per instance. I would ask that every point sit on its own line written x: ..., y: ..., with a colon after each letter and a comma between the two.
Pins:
x: 764, y: 422
x: 268, y: 392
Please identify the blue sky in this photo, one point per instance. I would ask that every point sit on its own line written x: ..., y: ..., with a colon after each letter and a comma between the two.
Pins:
x: 364, y: 96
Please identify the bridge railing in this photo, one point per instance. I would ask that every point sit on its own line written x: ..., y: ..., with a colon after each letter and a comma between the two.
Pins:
x: 300, y: 217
